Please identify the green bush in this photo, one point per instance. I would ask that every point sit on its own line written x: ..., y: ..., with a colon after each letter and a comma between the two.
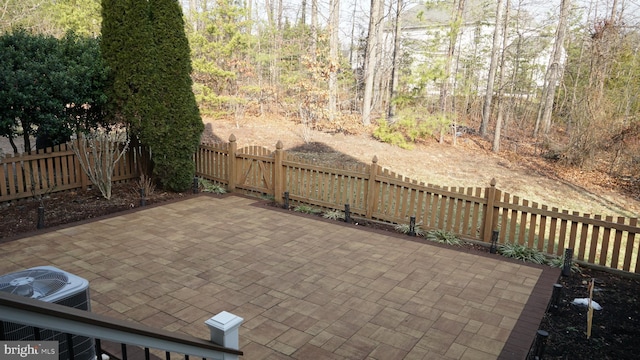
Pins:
x: 391, y: 135
x: 43, y: 83
x: 409, y: 128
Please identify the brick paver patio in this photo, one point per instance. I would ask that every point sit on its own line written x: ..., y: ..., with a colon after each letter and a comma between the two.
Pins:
x: 307, y: 288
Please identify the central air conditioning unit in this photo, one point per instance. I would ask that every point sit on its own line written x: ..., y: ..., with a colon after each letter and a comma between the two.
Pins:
x: 50, y: 284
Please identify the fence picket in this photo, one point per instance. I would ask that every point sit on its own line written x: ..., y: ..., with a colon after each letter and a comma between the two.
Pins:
x: 584, y: 232
x: 477, y: 216
x: 617, y: 242
x: 543, y: 230
x: 533, y: 217
x: 553, y: 226
x: 451, y: 202
x: 604, y: 249
x: 514, y: 220
x: 629, y: 248
x: 595, y: 235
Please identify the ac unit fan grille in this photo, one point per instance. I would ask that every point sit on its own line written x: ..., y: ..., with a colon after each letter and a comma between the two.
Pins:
x: 49, y: 284
x: 36, y: 283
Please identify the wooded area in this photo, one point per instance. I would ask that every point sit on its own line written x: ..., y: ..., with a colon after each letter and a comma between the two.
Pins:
x: 563, y: 75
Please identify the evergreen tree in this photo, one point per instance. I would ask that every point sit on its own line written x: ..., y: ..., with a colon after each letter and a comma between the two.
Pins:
x: 127, y: 49
x: 176, y: 137
x: 145, y: 46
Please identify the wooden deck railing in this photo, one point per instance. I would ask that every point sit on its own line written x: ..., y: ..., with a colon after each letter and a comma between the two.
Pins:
x: 43, y: 315
x: 377, y: 193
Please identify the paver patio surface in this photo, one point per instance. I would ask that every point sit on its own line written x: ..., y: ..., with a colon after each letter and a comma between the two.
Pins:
x: 307, y: 288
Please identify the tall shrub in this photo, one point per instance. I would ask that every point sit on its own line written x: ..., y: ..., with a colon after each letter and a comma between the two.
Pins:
x: 175, y: 140
x: 147, y: 50
x: 127, y: 49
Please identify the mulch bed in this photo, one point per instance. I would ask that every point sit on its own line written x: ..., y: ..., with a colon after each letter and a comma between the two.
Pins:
x: 615, y: 331
x: 60, y: 208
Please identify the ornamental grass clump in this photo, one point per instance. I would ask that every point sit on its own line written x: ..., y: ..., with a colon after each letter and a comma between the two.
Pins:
x: 521, y: 252
x: 211, y: 187
x: 443, y: 237
x: 333, y: 215
x: 406, y: 229
x: 558, y: 262
x: 307, y: 209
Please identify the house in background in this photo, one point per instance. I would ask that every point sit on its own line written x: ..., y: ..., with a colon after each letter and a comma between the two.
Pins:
x: 425, y: 43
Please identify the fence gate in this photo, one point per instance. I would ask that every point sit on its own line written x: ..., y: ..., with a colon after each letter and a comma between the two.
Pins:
x: 254, y: 169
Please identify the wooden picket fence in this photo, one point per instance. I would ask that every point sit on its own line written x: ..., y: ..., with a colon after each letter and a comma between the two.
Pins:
x: 54, y: 169
x: 376, y: 193
x: 371, y: 192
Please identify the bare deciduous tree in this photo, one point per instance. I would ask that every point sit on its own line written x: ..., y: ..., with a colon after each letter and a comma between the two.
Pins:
x: 553, y: 72
x: 495, y: 52
x: 371, y: 59
x: 98, y: 153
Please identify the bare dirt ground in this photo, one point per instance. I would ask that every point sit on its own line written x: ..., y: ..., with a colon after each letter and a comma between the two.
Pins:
x: 470, y: 163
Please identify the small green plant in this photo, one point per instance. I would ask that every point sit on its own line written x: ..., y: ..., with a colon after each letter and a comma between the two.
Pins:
x: 333, y: 215
x: 307, y: 209
x: 443, y: 237
x: 406, y: 228
x: 211, y: 187
x: 558, y: 262
x: 521, y: 252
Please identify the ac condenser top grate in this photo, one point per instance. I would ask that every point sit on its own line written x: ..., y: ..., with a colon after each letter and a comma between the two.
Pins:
x: 33, y: 283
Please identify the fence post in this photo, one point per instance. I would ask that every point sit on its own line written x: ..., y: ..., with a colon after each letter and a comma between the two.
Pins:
x: 489, y: 213
x: 231, y: 164
x: 370, y: 195
x: 278, y: 173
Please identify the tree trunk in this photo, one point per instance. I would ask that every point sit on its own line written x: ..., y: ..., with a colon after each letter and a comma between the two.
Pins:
x: 553, y: 72
x: 395, y: 64
x: 314, y: 28
x: 353, y: 31
x: 371, y: 60
x: 501, y: 100
x: 334, y: 63
x: 193, y: 11
x: 488, y: 96
x: 280, y: 11
x: 453, y: 38
x: 303, y: 16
